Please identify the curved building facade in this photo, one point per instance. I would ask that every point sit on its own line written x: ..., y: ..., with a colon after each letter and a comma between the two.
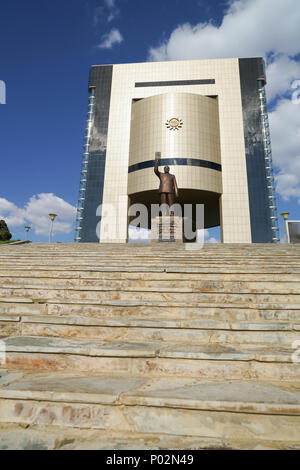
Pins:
x: 191, y: 148
x: 207, y: 118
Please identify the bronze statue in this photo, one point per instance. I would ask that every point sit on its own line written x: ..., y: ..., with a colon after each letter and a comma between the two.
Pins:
x: 168, y: 185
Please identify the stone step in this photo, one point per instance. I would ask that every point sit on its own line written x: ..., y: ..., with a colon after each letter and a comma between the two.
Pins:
x: 163, y: 345
x: 45, y: 437
x: 159, y: 285
x: 167, y: 250
x: 150, y: 261
x: 15, y: 307
x: 249, y: 410
x: 197, y: 270
x: 251, y: 361
x: 98, y: 348
x: 93, y: 274
x: 235, y: 396
x: 158, y: 323
x: 230, y: 248
x: 163, y: 330
x: 78, y: 254
x: 210, y: 368
x: 158, y: 298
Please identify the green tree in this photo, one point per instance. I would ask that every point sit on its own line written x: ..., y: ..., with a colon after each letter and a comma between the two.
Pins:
x: 5, y: 234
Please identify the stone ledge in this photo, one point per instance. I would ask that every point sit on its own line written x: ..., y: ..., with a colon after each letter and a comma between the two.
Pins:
x: 94, y: 348
x: 233, y: 396
x: 16, y: 437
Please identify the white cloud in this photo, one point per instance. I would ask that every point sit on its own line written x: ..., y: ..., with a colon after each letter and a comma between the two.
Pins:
x: 36, y: 211
x: 138, y: 234
x: 207, y: 238
x: 110, y: 39
x: 280, y: 75
x: 12, y: 214
x: 250, y: 28
x: 285, y: 133
x: 212, y: 240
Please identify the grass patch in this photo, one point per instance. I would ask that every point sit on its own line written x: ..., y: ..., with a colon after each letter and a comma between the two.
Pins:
x: 8, y: 241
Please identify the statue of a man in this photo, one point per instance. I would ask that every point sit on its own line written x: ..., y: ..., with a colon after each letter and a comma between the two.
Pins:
x: 168, y: 185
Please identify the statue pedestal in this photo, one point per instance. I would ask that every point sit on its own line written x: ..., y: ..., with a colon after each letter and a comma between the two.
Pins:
x: 166, y: 228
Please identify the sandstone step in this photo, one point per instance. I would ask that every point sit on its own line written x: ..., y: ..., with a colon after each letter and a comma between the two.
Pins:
x: 45, y: 437
x: 167, y: 344
x: 168, y: 252
x: 235, y: 396
x: 177, y: 269
x: 93, y: 274
x: 159, y: 285
x: 165, y: 407
x: 207, y: 360
x: 153, y: 298
x: 148, y: 259
x: 210, y: 368
x: 165, y: 331
x: 162, y: 323
x: 12, y: 307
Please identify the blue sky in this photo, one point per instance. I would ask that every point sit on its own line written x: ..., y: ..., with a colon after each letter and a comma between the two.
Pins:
x: 46, y: 49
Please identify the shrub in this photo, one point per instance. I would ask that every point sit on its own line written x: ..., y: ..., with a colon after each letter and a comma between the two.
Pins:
x: 4, y: 232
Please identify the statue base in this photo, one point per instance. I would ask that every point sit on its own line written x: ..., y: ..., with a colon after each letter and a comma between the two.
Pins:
x: 166, y: 228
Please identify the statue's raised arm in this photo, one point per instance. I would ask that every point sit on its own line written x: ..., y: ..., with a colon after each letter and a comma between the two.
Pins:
x: 157, y: 158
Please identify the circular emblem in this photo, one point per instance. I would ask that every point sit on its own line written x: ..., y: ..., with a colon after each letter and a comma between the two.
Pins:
x: 174, y: 124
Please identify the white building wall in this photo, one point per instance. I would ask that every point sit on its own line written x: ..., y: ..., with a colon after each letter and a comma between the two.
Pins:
x: 235, y: 217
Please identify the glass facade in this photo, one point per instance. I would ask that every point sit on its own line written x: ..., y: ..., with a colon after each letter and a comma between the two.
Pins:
x: 94, y: 154
x: 268, y: 162
x: 262, y: 201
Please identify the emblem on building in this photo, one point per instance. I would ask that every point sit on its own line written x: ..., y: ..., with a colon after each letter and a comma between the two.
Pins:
x: 174, y: 124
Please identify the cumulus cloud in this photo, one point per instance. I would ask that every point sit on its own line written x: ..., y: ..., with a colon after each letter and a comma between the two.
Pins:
x: 250, y: 28
x: 110, y: 39
x: 280, y: 75
x: 12, y: 214
x: 35, y: 213
x: 285, y: 127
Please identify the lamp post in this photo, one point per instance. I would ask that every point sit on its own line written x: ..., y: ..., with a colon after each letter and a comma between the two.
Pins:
x: 285, y: 217
x: 52, y: 217
x: 27, y: 228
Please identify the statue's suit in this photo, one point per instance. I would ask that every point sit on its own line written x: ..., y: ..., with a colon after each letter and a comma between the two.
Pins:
x: 168, y: 182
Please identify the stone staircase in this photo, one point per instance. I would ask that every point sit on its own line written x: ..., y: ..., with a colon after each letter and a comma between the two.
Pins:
x: 161, y: 346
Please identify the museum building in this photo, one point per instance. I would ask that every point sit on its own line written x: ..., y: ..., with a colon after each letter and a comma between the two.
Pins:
x: 209, y: 120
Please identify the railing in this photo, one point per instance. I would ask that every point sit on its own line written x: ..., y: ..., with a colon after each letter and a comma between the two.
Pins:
x: 84, y: 164
x: 268, y: 162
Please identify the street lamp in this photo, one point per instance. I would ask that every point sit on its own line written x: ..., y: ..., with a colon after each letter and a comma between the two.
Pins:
x: 27, y: 228
x: 52, y: 217
x: 285, y: 217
